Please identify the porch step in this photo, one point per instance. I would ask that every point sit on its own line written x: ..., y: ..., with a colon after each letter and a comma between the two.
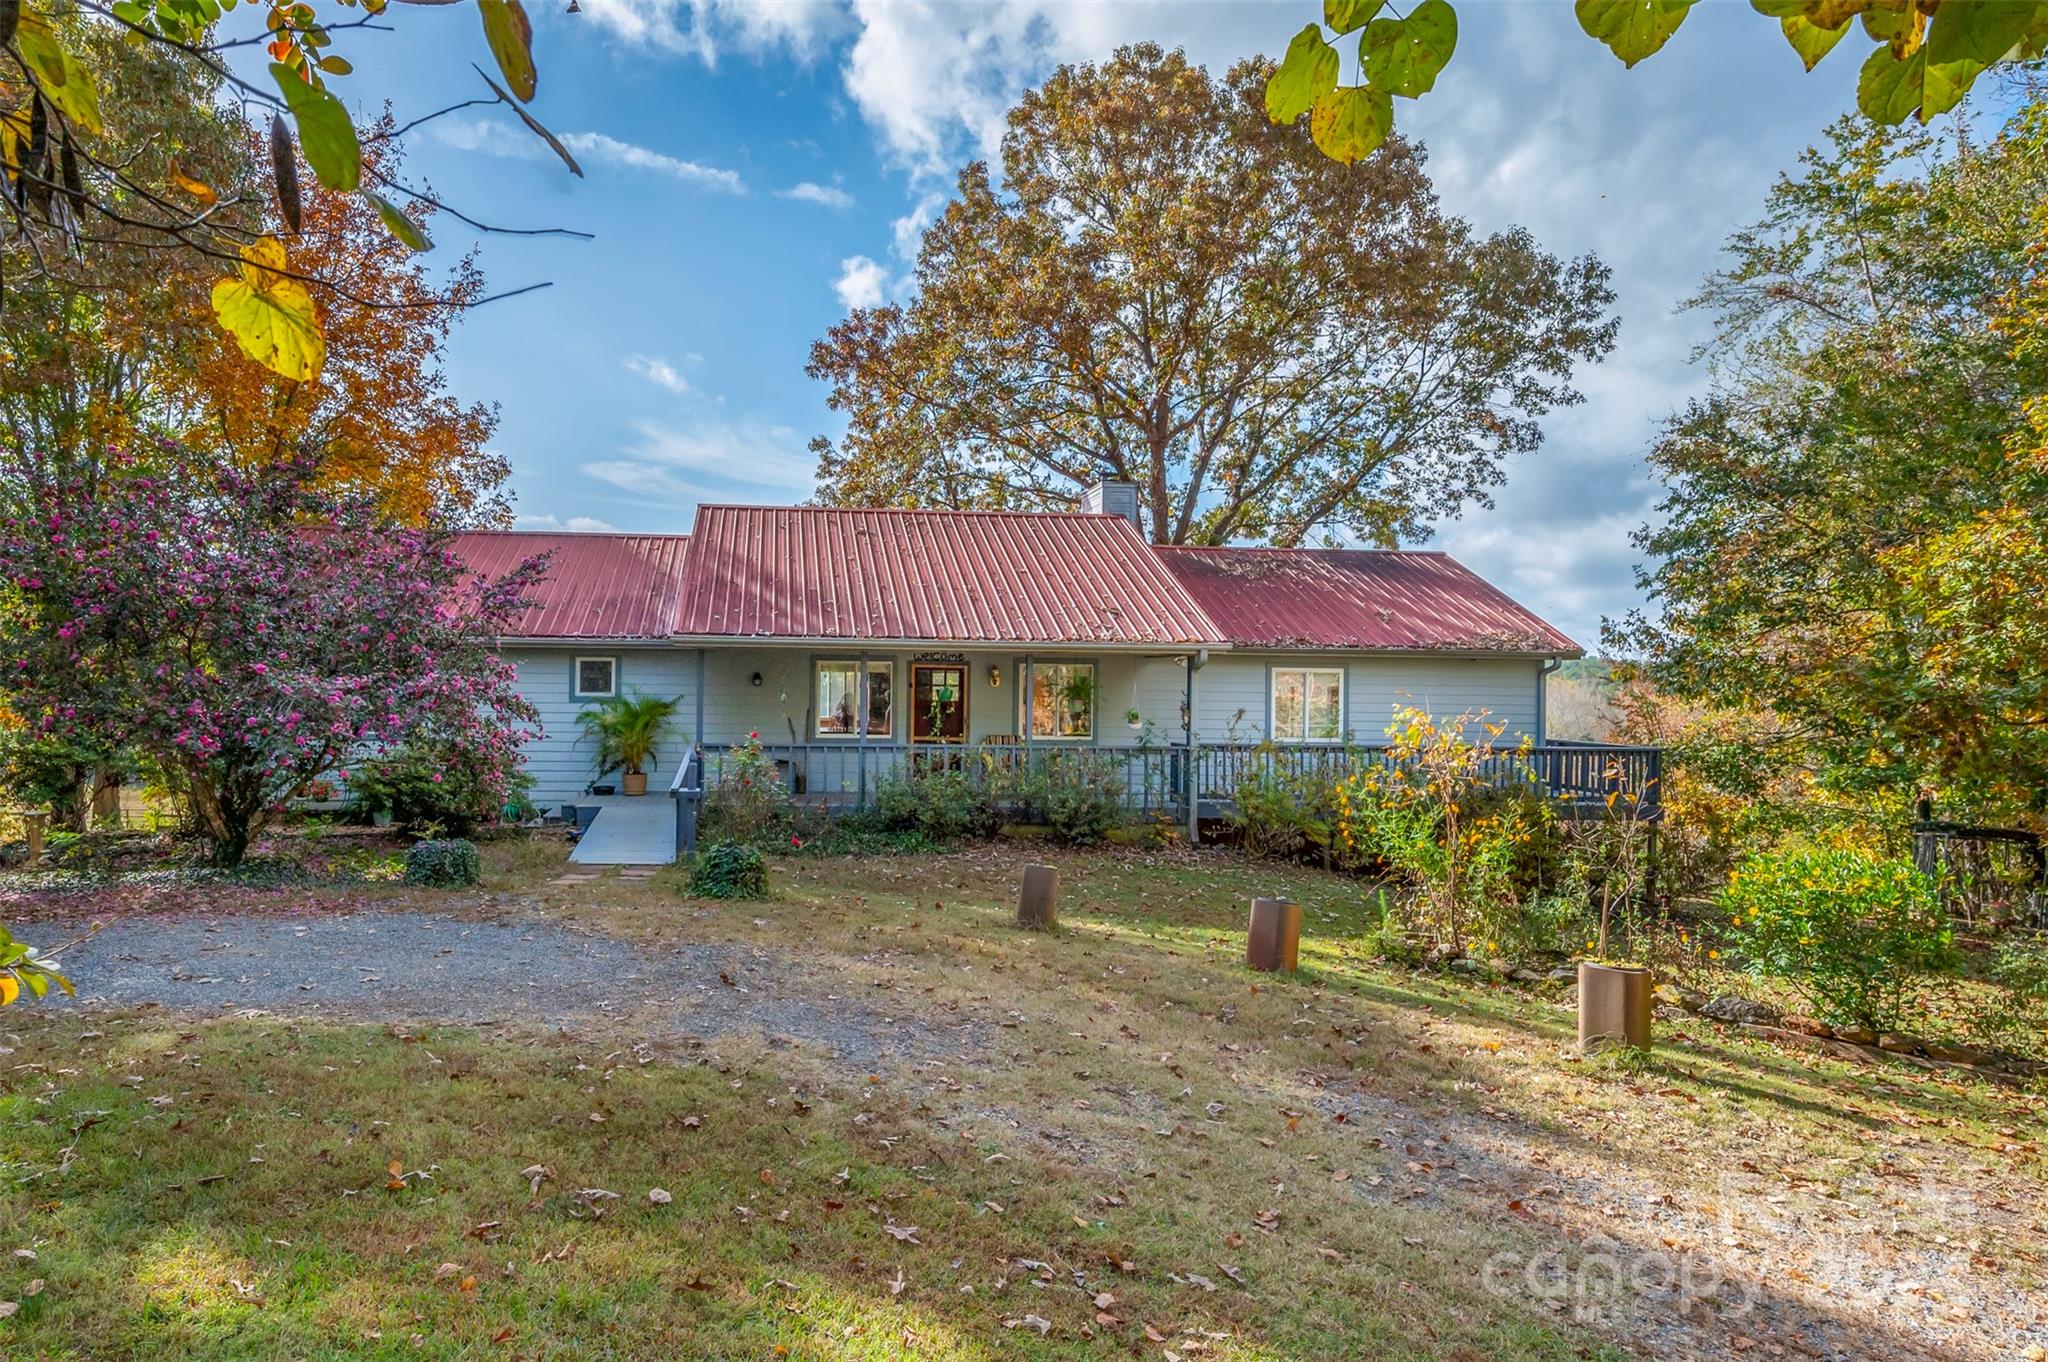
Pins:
x: 628, y: 831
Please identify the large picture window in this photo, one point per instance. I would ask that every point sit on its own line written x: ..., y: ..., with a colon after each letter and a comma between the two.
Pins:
x: 1060, y: 700
x: 1308, y: 704
x: 838, y: 692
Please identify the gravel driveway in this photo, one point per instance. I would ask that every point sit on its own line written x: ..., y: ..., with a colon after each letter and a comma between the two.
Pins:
x: 395, y: 966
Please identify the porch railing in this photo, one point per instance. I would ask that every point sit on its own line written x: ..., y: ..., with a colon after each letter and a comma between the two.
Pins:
x: 838, y: 777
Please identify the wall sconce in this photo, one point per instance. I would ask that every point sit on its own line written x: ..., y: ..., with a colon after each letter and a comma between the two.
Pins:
x: 756, y: 679
x: 995, y: 678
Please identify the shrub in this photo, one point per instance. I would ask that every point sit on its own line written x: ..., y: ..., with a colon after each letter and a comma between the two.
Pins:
x: 1084, y: 797
x: 1855, y: 934
x: 748, y: 802
x: 439, y: 784
x: 2016, y: 1017
x: 941, y: 805
x: 729, y: 870
x: 448, y: 863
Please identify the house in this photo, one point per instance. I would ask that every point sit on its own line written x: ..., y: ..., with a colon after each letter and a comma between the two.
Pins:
x: 855, y: 641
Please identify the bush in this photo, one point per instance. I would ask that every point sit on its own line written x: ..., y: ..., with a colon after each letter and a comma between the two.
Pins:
x: 2016, y: 1017
x: 748, y: 802
x: 1855, y: 934
x: 449, y: 863
x: 942, y: 806
x: 729, y: 870
x: 1084, y: 797
x: 449, y: 787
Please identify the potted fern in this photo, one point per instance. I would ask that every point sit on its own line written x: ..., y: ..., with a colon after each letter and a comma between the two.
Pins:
x: 626, y: 731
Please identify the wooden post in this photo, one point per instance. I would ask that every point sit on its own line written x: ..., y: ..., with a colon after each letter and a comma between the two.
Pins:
x: 35, y: 823
x: 1614, y: 1006
x: 1037, y: 903
x: 1274, y: 942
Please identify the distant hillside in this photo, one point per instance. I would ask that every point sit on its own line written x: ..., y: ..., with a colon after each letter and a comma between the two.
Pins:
x: 1578, y: 701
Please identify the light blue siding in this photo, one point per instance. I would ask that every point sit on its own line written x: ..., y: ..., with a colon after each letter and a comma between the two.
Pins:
x: 560, y: 761
x: 1233, y: 691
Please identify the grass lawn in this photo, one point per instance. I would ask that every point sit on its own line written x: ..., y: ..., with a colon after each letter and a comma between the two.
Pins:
x: 1128, y: 1146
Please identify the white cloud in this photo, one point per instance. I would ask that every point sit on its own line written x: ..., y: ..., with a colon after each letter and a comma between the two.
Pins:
x: 705, y: 28
x: 575, y: 524
x: 830, y: 196
x: 660, y: 373
x: 612, y: 150
x: 487, y: 138
x: 862, y: 282
x: 710, y: 459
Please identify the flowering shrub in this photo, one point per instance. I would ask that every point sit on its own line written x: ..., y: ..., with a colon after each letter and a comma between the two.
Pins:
x: 245, y: 629
x: 1433, y: 814
x: 454, y: 787
x: 1855, y: 934
x: 748, y: 802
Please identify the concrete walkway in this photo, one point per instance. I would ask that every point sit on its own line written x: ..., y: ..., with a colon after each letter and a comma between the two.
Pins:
x: 636, y: 831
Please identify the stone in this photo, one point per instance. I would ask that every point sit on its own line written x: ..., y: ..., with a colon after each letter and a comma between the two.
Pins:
x: 1729, y: 1008
x: 1808, y: 1026
x: 1528, y: 976
x: 1949, y: 1053
x: 1856, y: 1035
x: 1892, y: 1043
x: 1568, y: 975
x: 1465, y: 964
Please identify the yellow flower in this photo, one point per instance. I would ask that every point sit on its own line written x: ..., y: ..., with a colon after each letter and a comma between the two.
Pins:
x: 1713, y: 955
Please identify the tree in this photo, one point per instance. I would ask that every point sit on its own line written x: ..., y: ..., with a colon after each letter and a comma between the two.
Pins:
x: 117, y: 340
x: 1170, y: 291
x: 378, y: 416
x: 67, y: 186
x: 1852, y: 535
x: 244, y: 628
x: 1926, y: 56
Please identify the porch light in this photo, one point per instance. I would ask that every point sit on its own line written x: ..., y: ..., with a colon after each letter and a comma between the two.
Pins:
x: 995, y: 678
x: 755, y: 679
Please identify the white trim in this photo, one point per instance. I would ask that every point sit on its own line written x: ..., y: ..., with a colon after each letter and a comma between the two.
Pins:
x: 1273, y: 703
x: 576, y: 690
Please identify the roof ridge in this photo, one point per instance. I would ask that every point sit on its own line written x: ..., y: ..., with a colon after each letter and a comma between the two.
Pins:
x: 1277, y: 548
x: 910, y: 511
x: 580, y: 534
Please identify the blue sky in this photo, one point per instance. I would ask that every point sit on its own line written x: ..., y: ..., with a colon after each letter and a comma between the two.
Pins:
x: 752, y: 168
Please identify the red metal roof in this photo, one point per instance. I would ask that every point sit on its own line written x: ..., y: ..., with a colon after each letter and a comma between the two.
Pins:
x: 943, y: 576
x: 613, y: 586
x: 1357, y: 598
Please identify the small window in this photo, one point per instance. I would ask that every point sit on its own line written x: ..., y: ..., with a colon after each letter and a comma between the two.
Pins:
x: 1060, y: 701
x: 1308, y: 704
x: 838, y: 693
x: 596, y: 677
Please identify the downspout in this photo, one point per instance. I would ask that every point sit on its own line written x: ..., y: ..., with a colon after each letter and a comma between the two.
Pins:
x: 1543, y: 674
x: 1196, y: 661
x: 700, y: 697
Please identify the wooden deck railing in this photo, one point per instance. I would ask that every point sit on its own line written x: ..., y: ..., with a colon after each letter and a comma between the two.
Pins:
x: 839, y: 776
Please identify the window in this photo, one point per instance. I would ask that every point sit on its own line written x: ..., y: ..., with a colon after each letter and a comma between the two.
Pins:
x: 1060, y: 701
x: 596, y: 677
x: 839, y: 699
x: 1308, y: 704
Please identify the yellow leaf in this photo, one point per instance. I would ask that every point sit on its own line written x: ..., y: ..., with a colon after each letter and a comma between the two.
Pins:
x: 198, y: 189
x: 271, y: 315
x: 61, y: 77
x: 9, y: 990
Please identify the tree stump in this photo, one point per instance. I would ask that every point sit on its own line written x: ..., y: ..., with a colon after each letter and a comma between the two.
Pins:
x: 35, y: 822
x: 1273, y: 944
x: 1036, y: 903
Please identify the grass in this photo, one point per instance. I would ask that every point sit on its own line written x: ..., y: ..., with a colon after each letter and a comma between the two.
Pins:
x: 1145, y: 1149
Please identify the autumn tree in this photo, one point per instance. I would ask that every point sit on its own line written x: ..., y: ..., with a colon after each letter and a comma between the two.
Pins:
x: 1852, y: 536
x: 1169, y: 290
x: 378, y: 415
x: 247, y: 629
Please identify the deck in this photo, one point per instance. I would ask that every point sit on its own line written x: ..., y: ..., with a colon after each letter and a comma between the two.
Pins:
x: 1170, y: 782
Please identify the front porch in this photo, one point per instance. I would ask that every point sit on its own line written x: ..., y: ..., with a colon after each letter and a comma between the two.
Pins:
x: 1183, y: 784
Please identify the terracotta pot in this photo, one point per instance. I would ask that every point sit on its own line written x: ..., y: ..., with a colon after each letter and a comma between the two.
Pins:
x: 1614, y: 1005
x: 1274, y: 942
x: 634, y: 782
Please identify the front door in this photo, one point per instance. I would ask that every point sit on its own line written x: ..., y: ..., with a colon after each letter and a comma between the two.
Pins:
x: 938, y: 702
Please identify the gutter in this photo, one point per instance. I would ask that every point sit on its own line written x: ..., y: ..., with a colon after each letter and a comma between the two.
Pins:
x: 1543, y: 675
